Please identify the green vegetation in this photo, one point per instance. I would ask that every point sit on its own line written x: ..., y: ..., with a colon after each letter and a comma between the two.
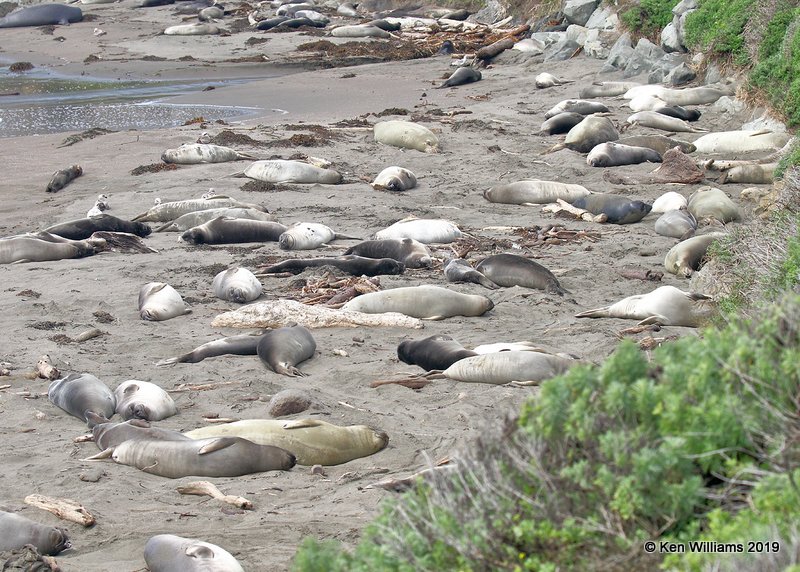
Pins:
x: 648, y: 17
x: 717, y: 27
x: 791, y: 159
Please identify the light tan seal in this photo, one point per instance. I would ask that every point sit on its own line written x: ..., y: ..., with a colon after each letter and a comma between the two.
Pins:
x: 285, y: 171
x: 534, y: 192
x: 667, y: 306
x: 687, y: 256
x: 406, y: 135
x: 170, y: 553
x: 159, y: 301
x: 711, y: 203
x: 428, y: 302
x: 143, y: 400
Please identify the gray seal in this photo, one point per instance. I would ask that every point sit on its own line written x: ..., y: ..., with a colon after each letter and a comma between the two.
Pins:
x: 81, y: 393
x: 16, y: 531
x: 226, y: 230
x: 63, y: 177
x: 236, y: 285
x: 434, y: 352
x: 83, y: 228
x: 244, y: 345
x: 428, y: 302
x: 215, y: 457
x: 43, y: 246
x: 350, y: 263
x: 582, y: 106
x: 170, y: 553
x: 143, y: 400
x: 462, y: 76
x: 679, y: 112
x: 513, y: 270
x: 459, y: 270
x: 283, y: 348
x: 412, y: 253
x: 658, y: 143
x: 42, y: 15
x: 677, y: 223
x: 618, y: 209
x: 610, y: 154
x: 108, y: 434
x: 561, y: 123
x: 590, y: 132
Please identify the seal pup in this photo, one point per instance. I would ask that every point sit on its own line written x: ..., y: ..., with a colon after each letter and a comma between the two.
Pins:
x: 663, y: 122
x: 678, y: 223
x: 618, y: 209
x: 282, y: 349
x: 666, y: 306
x: 16, y: 531
x: 311, y: 441
x: 226, y: 230
x: 194, y: 29
x: 196, y: 218
x: 434, y: 352
x: 711, y: 203
x: 170, y: 553
x: 43, y: 246
x: 678, y: 112
x: 195, y: 153
x: 307, y: 236
x: 164, y: 212
x: 610, y: 154
x: 63, y: 177
x: 349, y: 263
x: 42, y: 15
x: 360, y: 31
x: 83, y: 228
x: 544, y: 80
x: 561, y: 123
x: 459, y: 270
x: 582, y: 106
x: 523, y: 367
x: 592, y: 131
x: 534, y: 192
x: 406, y: 135
x: 412, y: 253
x: 607, y: 88
x: 244, y: 345
x: 688, y: 256
x: 215, y: 457
x: 669, y: 201
x: 753, y: 174
x: 236, y: 285
x: 514, y: 270
x: 81, y: 393
x: 143, y: 400
x: 426, y: 231
x: 394, y: 179
x: 461, y: 76
x: 286, y: 171
x: 427, y: 302
x: 159, y: 301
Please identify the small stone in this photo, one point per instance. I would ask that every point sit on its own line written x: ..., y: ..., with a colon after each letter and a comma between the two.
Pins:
x: 92, y: 474
x: 647, y: 252
x: 318, y: 470
x: 288, y: 402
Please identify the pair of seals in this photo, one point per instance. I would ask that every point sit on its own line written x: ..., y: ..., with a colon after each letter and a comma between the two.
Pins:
x: 196, y: 218
x: 283, y: 348
x: 236, y: 285
x: 159, y: 301
x: 165, y: 212
x: 349, y: 263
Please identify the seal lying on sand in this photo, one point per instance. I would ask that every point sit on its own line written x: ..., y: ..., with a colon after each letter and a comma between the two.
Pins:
x: 159, y: 301
x: 667, y: 306
x: 429, y: 302
x: 195, y: 153
x: 354, y: 265
x: 170, y: 553
x: 412, y: 253
x: 42, y: 15
x: 283, y: 348
x: 226, y: 230
x: 426, y: 231
x: 43, y: 246
x: 433, y: 352
x: 514, y: 270
x: 143, y: 400
x: 81, y: 393
x: 16, y: 531
x: 236, y: 285
x: 244, y: 345
x: 407, y: 135
x: 83, y: 228
x: 618, y: 209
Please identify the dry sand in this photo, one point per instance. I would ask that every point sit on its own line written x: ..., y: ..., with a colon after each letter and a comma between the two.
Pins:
x: 488, y: 132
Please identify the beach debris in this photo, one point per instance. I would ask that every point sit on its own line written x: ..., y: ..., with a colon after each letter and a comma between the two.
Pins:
x: 45, y: 369
x: 403, y: 484
x: 641, y: 274
x: 333, y: 291
x: 88, y: 134
x: 65, y: 509
x: 62, y: 178
x: 413, y: 381
x: 563, y: 208
x: 205, y: 488
x: 28, y: 558
x: 154, y: 168
x: 98, y: 32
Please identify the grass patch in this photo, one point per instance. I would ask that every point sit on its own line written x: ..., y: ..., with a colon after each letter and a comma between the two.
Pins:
x: 648, y: 17
x: 717, y: 27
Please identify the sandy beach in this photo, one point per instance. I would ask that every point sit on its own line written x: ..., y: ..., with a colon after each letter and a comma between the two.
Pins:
x: 489, y: 134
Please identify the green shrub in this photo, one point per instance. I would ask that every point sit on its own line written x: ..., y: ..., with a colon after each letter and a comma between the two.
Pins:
x: 717, y: 27
x: 649, y: 17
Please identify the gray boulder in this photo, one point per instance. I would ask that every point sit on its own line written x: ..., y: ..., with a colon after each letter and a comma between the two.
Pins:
x: 620, y: 53
x: 561, y: 51
x: 644, y: 58
x: 579, y: 11
x: 684, y: 6
x: 680, y: 75
x: 604, y: 18
x: 669, y: 39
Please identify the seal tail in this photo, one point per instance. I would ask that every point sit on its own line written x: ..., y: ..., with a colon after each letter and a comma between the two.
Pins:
x: 105, y: 454
x: 338, y: 236
x: 242, y: 156
x: 168, y: 362
x: 164, y: 228
x: 596, y: 313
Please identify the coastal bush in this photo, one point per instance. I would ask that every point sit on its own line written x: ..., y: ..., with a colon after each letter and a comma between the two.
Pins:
x: 648, y: 17
x: 790, y: 160
x: 605, y: 458
x: 717, y: 26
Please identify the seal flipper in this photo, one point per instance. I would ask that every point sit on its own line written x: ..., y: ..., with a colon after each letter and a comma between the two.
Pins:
x: 93, y: 418
x: 104, y: 454
x: 301, y: 424
x: 596, y: 313
x: 655, y: 319
x: 216, y: 445
x: 199, y: 551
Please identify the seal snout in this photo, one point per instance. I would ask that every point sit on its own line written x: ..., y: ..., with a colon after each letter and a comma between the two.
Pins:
x: 291, y: 460
x: 138, y: 411
x: 285, y: 241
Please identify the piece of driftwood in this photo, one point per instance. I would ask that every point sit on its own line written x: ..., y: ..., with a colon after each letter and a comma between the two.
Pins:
x: 403, y: 484
x: 492, y: 50
x: 411, y: 382
x: 46, y: 370
x: 562, y: 206
x: 641, y: 274
x: 66, y: 509
x: 639, y: 329
x: 88, y: 335
x: 199, y: 386
x: 205, y: 488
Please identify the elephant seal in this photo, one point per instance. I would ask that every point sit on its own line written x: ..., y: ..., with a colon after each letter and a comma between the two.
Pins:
x: 194, y: 29
x: 394, y: 179
x: 679, y: 112
x: 351, y: 264
x: 313, y: 442
x: 395, y: 27
x: 42, y: 15
x: 159, y: 301
x: 669, y: 201
x: 81, y: 393
x: 753, y: 174
x: 610, y: 154
x: 307, y: 236
x: 687, y: 256
x: 164, y: 212
x: 196, y: 218
x: 282, y: 349
x: 544, y: 80
x: 688, y: 96
x: 666, y: 305
x: 43, y: 246
x: 108, y: 434
x: 677, y: 223
x: 525, y: 367
x: 271, y: 23
x: 658, y: 143
x: 742, y: 141
x: 428, y: 302
x: 412, y: 253
x: 211, y: 14
x: 459, y: 270
x: 433, y: 352
x: 590, y: 132
x: 582, y: 106
x: 708, y: 202
x: 607, y: 89
x: 236, y: 285
x: 645, y: 103
x: 360, y: 31
x: 663, y: 122
x: 406, y: 135
x: 195, y: 153
x: 534, y: 192
x: 347, y: 9
x: 513, y: 270
x: 226, y: 230
x: 618, y: 209
x: 143, y: 400
x: 426, y: 231
x: 285, y: 171
x: 170, y: 553
x: 63, y: 177
x: 461, y: 76
x: 83, y: 228
x: 215, y: 457
x: 561, y: 123
x: 16, y: 531
x: 244, y: 345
